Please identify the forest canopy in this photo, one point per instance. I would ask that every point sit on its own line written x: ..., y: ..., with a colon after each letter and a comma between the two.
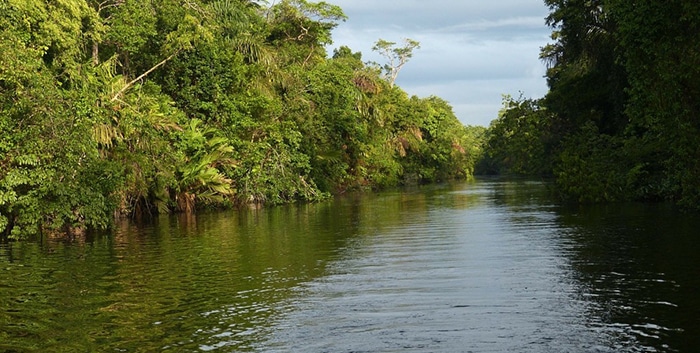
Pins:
x: 620, y: 121
x: 123, y: 107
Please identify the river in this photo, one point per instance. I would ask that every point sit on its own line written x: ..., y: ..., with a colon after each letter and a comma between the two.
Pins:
x: 486, y: 266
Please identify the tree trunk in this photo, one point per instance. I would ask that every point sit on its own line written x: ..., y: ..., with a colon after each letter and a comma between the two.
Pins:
x: 95, y: 53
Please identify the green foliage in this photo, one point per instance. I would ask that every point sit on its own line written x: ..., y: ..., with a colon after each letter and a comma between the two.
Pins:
x: 586, y: 81
x: 346, y: 52
x: 205, y: 82
x: 304, y: 21
x: 138, y: 107
x: 620, y: 119
x: 519, y: 141
x: 333, y: 130
x: 131, y: 26
x: 52, y: 177
x: 592, y: 167
x: 274, y: 171
x: 43, y: 192
x: 434, y: 142
x: 200, y: 179
x: 661, y: 56
x: 300, y: 28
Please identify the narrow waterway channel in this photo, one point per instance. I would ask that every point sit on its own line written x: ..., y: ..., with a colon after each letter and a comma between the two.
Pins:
x: 485, y: 266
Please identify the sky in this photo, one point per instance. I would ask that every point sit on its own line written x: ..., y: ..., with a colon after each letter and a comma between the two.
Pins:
x: 472, y: 51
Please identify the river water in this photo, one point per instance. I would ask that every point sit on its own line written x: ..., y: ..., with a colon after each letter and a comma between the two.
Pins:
x: 486, y: 266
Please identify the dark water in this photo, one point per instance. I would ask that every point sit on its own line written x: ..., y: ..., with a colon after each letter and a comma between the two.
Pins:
x: 489, y: 266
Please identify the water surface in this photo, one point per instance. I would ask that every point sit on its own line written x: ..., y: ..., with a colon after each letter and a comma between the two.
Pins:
x: 488, y: 266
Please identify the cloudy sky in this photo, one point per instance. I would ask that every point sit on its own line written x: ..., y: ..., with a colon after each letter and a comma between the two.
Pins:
x: 472, y: 51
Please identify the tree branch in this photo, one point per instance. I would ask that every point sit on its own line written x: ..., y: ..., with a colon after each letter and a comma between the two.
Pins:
x: 132, y: 82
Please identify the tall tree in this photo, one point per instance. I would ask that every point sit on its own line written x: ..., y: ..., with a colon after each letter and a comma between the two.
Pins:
x: 397, y: 56
x: 586, y: 81
x: 302, y: 28
x: 133, y: 107
x: 46, y: 111
x: 660, y: 52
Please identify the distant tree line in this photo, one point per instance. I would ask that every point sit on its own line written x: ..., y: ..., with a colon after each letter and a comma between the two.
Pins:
x: 111, y: 108
x: 621, y: 118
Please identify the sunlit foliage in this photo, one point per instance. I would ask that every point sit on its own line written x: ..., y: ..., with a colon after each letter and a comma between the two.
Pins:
x: 130, y: 108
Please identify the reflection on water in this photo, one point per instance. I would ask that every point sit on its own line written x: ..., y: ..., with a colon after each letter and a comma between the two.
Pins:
x: 486, y: 275
x: 638, y: 268
x: 489, y: 266
x: 176, y: 285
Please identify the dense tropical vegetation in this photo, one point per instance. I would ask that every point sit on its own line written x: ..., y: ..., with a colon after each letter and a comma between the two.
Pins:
x: 620, y: 120
x: 112, y: 108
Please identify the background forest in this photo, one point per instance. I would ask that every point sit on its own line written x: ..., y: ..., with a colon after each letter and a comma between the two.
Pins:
x: 620, y: 121
x: 113, y: 108
x: 129, y: 107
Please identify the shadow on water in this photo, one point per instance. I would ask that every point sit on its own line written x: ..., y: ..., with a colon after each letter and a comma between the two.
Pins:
x: 638, y: 267
x: 635, y: 267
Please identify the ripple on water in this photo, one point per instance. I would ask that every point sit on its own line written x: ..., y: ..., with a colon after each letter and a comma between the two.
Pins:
x: 486, y: 278
x: 448, y: 286
x: 483, y: 267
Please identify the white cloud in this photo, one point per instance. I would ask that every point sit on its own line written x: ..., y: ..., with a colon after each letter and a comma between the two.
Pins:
x: 471, y: 52
x: 482, y: 25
